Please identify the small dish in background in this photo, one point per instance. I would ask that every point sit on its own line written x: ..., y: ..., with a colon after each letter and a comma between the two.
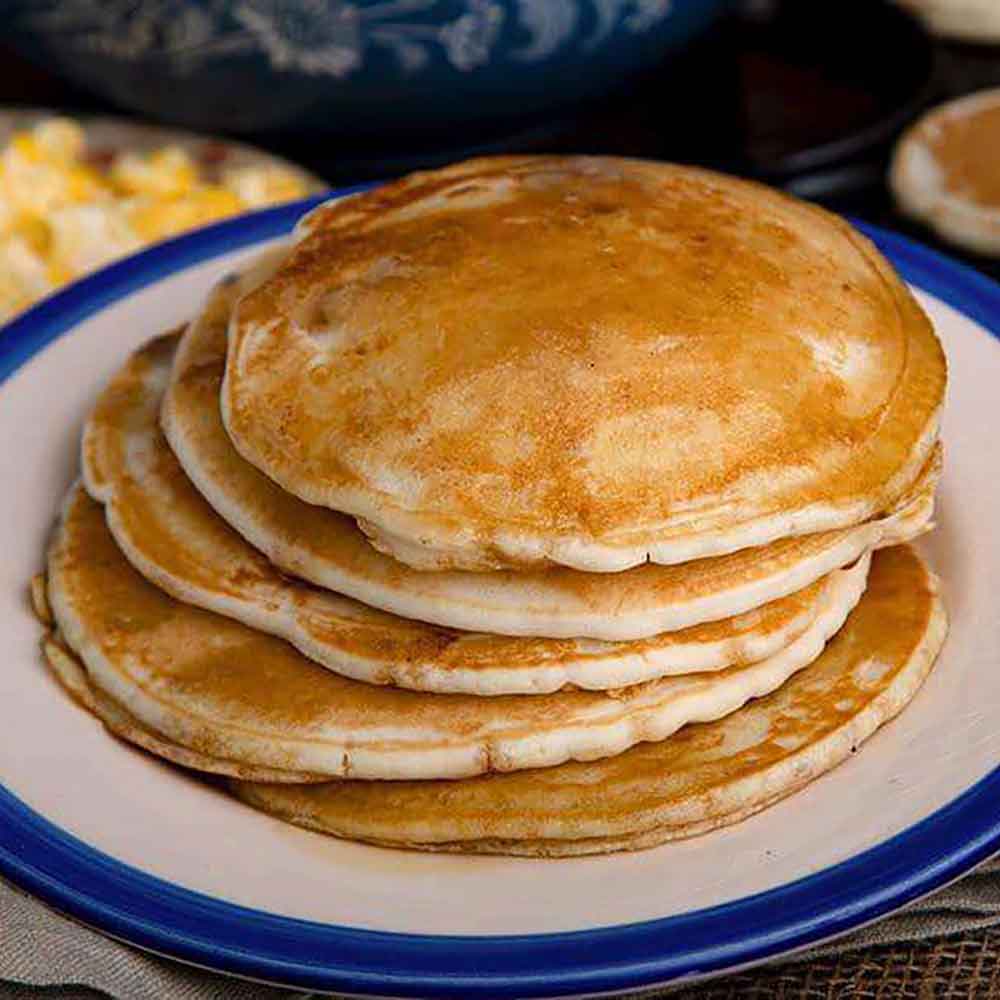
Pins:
x: 77, y: 194
x: 976, y: 21
x: 946, y: 172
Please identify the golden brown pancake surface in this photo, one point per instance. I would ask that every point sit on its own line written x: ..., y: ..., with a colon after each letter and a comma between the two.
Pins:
x: 177, y: 541
x: 703, y: 777
x: 227, y: 690
x: 585, y: 361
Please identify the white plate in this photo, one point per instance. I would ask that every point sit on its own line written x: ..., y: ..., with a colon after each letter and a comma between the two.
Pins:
x: 139, y: 849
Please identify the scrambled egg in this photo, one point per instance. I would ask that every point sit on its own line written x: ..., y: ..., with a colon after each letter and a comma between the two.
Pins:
x: 62, y: 215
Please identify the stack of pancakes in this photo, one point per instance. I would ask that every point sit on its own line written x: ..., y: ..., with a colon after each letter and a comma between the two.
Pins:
x: 534, y: 505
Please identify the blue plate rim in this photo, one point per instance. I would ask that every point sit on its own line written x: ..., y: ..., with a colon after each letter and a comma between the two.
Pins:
x: 151, y: 913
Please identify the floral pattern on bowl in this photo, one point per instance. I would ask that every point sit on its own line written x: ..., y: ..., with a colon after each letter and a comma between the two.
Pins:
x: 336, y: 65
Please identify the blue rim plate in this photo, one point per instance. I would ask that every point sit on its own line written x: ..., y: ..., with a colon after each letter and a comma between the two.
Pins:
x: 151, y: 913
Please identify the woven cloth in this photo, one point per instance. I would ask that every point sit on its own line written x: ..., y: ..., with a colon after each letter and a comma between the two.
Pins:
x: 947, y: 945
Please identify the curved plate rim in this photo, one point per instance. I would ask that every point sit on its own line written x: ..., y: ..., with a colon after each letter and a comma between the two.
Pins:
x: 151, y: 913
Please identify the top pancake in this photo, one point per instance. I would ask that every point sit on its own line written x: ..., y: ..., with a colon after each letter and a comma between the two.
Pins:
x: 591, y: 362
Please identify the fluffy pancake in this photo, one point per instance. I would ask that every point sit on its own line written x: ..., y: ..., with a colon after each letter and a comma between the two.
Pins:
x: 327, y: 548
x: 73, y: 677
x: 946, y: 171
x: 225, y: 690
x: 703, y: 777
x: 176, y: 540
x: 583, y: 361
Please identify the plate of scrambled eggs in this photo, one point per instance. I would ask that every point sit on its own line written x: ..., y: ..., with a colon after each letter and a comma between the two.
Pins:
x: 76, y: 194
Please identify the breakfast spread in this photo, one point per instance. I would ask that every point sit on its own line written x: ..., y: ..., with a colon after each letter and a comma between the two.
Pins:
x: 67, y: 209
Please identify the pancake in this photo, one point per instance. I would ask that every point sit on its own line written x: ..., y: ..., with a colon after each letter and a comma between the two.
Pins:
x: 946, y: 171
x: 73, y: 677
x: 70, y: 673
x: 590, y: 362
x: 327, y: 548
x: 222, y: 689
x: 173, y: 537
x: 701, y: 778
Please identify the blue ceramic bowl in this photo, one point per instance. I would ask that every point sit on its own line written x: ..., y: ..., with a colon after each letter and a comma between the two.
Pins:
x: 361, y: 67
